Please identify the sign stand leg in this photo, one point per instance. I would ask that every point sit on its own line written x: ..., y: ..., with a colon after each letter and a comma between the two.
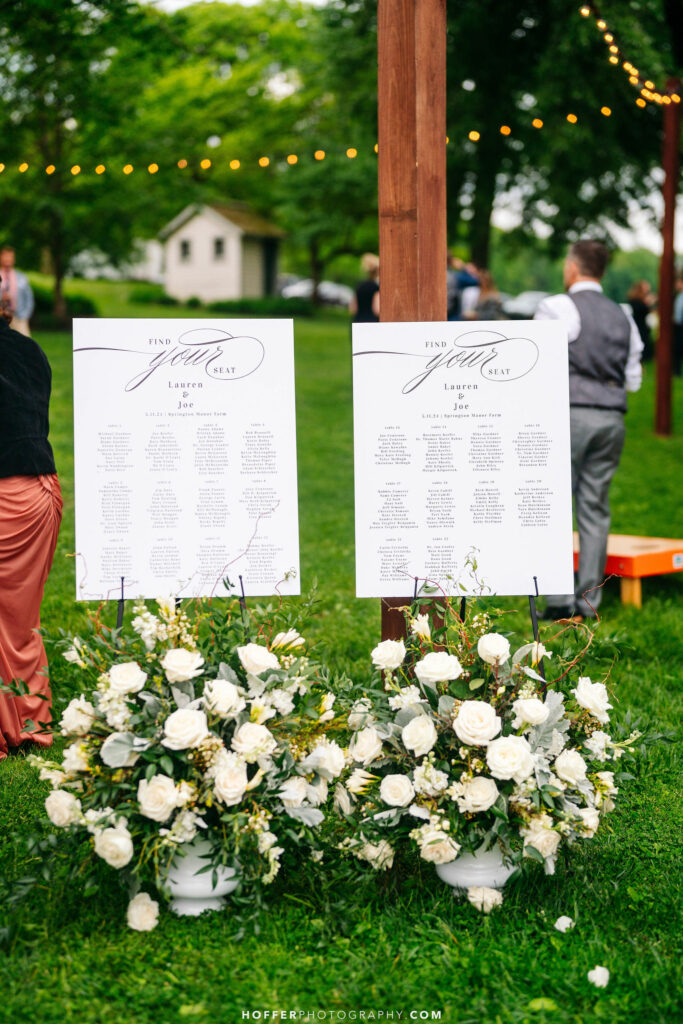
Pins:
x: 534, y: 624
x: 119, y: 611
x: 243, y: 600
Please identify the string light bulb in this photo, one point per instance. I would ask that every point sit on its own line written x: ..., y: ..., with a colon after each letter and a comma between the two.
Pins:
x: 572, y: 118
x: 205, y: 164
x: 474, y: 136
x: 605, y: 111
x: 537, y: 123
x: 608, y: 37
x: 264, y: 161
x: 292, y: 159
x: 675, y: 97
x: 505, y: 129
x: 234, y: 165
x: 602, y: 25
x: 640, y: 102
x: 649, y: 85
x: 351, y: 153
x: 585, y: 11
x: 128, y: 169
x: 319, y: 154
x: 182, y: 164
x: 153, y: 168
x: 613, y: 59
x: 100, y: 169
x: 75, y: 170
x: 633, y: 80
x: 614, y: 49
x: 2, y: 167
x: 50, y: 169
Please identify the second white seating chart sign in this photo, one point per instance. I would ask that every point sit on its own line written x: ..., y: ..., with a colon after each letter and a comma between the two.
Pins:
x: 462, y: 454
x: 185, y: 457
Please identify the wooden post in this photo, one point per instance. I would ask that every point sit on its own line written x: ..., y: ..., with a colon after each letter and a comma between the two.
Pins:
x: 664, y: 351
x: 411, y: 101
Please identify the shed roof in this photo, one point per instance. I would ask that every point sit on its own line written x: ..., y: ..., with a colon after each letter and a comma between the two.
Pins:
x: 249, y: 222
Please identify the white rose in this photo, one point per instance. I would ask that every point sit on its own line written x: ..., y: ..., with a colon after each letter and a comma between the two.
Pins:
x: 591, y: 821
x: 389, y: 654
x: 419, y: 735
x: 475, y: 795
x: 365, y: 745
x: 126, y: 677
x: 75, y: 758
x: 115, y: 846
x: 360, y: 715
x: 223, y: 698
x: 180, y: 665
x: 593, y: 697
x: 437, y: 847
x: 53, y: 776
x: 143, y: 913
x: 493, y: 648
x: 253, y: 741
x: 597, y: 744
x: 484, y: 898
x: 185, y: 728
x: 529, y: 711
x: 326, y: 759
x: 396, y: 790
x: 599, y: 977
x: 379, y: 855
x: 294, y: 791
x: 510, y: 757
x: 420, y: 627
x: 256, y: 659
x: 158, y: 797
x: 289, y: 639
x: 77, y: 717
x: 229, y: 778
x: 539, y: 834
x: 438, y: 667
x: 571, y: 767
x: 477, y: 723
x: 564, y: 923
x: 63, y: 809
x: 282, y: 701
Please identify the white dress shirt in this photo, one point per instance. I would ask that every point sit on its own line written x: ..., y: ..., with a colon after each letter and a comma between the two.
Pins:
x: 561, y: 307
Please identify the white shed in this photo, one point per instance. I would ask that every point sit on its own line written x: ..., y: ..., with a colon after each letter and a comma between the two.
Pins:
x: 220, y: 251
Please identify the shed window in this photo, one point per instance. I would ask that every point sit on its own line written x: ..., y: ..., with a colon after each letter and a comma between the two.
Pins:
x: 185, y: 250
x: 219, y: 248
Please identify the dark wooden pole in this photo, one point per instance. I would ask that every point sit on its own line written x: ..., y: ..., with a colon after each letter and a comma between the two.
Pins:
x: 411, y: 99
x: 667, y: 270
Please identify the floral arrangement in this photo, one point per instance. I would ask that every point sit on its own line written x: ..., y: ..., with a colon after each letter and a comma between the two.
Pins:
x: 458, y: 744
x: 202, y: 724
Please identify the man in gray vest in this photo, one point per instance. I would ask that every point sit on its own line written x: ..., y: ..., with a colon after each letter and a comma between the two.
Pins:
x: 604, y: 363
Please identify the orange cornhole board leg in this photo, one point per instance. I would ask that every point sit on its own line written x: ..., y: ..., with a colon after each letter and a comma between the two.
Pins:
x: 631, y: 558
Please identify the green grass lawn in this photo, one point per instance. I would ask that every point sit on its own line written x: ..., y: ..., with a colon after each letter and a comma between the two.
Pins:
x: 401, y: 942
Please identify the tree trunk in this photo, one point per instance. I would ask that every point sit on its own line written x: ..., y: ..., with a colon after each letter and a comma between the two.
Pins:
x: 482, y: 208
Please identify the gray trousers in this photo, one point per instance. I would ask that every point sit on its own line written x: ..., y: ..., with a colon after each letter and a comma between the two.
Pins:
x: 597, y: 439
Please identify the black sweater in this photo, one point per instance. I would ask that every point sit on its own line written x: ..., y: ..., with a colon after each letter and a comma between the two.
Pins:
x: 25, y: 380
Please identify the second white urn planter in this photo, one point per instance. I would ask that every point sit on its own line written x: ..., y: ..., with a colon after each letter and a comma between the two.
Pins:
x: 480, y: 868
x: 193, y: 893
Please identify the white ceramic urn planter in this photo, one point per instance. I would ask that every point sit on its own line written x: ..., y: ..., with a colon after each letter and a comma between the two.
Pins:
x: 481, y: 868
x: 193, y: 893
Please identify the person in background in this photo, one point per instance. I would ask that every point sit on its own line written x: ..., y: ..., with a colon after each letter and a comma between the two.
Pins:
x: 604, y: 363
x: 15, y: 292
x: 642, y: 300
x: 678, y: 325
x: 459, y: 276
x: 364, y: 306
x: 488, y: 305
x: 30, y: 516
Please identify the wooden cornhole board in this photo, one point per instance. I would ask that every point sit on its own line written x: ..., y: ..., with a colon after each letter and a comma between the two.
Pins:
x: 635, y: 557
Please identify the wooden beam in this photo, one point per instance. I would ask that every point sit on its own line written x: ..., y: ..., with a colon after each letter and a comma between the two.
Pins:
x: 411, y: 101
x: 667, y: 270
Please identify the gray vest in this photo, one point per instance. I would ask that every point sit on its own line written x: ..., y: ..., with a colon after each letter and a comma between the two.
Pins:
x: 598, y: 357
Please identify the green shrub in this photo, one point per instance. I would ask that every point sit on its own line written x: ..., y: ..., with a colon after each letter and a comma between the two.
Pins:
x: 272, y: 305
x: 43, y: 315
x: 150, y: 294
x: 193, y: 302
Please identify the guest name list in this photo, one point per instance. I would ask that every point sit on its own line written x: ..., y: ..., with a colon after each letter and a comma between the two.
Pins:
x: 462, y: 455
x: 185, y: 457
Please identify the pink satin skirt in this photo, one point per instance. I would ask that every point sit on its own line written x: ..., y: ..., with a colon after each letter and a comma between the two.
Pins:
x: 30, y: 516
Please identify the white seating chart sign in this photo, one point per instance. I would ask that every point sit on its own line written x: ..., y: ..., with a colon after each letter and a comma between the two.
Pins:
x: 185, y: 457
x: 461, y: 455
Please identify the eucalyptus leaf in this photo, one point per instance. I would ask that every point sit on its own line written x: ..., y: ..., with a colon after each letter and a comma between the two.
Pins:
x: 225, y: 672
x: 446, y: 703
x: 476, y: 683
x: 183, y: 693
x: 406, y: 715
